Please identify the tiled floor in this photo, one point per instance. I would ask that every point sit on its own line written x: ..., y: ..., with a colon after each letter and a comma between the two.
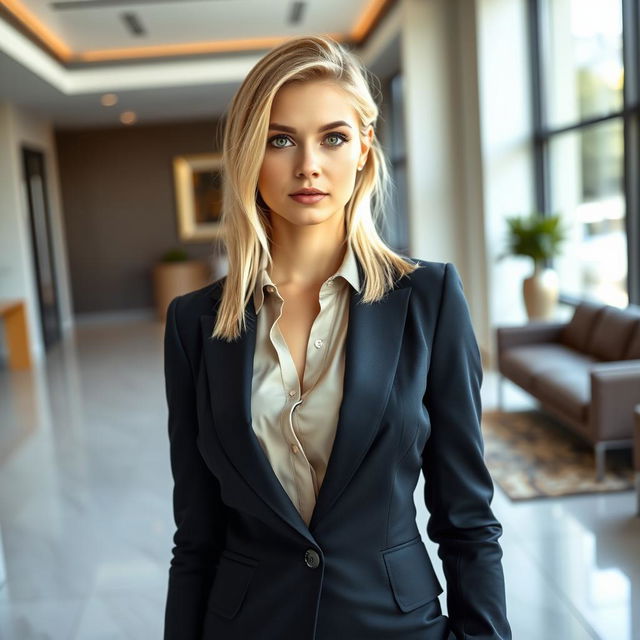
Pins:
x: 86, y: 523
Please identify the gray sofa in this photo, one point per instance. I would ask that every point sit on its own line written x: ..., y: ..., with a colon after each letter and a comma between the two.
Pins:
x: 585, y: 371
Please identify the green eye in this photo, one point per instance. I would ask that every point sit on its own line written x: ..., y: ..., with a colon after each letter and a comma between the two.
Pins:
x: 337, y: 137
x: 341, y: 137
x: 278, y: 138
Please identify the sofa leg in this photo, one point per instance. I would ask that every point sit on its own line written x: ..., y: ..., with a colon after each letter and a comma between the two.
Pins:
x: 600, y: 450
x: 638, y: 492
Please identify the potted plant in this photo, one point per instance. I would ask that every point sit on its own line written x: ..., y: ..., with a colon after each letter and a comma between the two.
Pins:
x: 538, y: 237
x: 175, y: 274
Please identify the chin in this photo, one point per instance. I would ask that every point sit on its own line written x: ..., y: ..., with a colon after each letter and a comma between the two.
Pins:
x: 306, y: 216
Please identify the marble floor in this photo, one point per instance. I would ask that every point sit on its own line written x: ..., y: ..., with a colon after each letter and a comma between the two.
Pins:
x: 86, y: 522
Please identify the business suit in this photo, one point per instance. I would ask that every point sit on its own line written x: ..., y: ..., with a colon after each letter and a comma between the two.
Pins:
x: 245, y: 564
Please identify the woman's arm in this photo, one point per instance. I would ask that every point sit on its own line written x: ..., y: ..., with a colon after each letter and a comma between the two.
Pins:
x: 458, y: 487
x: 198, y: 511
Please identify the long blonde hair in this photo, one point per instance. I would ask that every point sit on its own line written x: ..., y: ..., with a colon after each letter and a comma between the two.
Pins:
x: 245, y: 217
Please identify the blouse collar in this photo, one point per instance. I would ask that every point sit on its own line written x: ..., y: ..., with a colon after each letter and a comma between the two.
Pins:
x: 348, y: 270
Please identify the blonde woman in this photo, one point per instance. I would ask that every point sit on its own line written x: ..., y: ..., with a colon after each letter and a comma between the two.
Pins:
x: 309, y: 388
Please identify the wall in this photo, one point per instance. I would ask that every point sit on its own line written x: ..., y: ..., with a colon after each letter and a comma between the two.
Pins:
x: 119, y: 207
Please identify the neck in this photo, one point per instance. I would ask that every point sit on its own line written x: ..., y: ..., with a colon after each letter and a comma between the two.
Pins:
x: 305, y: 256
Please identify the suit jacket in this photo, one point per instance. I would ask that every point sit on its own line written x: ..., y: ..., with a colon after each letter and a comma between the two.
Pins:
x: 246, y: 566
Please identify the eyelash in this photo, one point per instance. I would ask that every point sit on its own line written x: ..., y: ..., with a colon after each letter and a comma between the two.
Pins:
x: 342, y: 136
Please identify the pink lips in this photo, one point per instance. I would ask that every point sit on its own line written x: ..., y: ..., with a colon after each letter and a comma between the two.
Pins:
x: 308, y: 198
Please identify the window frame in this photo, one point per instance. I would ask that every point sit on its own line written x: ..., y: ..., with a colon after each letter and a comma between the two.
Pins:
x: 542, y: 134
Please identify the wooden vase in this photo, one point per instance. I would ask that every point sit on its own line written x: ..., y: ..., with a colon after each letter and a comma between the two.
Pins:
x: 171, y: 279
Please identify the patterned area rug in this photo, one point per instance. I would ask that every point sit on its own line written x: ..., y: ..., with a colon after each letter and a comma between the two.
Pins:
x: 532, y: 455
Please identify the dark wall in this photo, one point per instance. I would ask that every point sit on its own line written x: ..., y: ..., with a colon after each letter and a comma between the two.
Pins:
x: 119, y: 208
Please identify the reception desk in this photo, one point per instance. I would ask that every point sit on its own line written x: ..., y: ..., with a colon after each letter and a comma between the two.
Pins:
x: 14, y: 317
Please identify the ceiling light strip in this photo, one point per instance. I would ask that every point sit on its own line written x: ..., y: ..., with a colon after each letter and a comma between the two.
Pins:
x: 367, y: 20
x: 37, y: 28
x: 187, y: 48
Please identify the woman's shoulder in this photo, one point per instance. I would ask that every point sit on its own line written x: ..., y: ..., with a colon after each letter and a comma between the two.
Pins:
x: 430, y: 274
x: 434, y: 281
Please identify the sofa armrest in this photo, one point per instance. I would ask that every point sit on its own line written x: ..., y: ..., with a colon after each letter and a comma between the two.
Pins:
x: 534, y: 332
x: 615, y: 391
x: 636, y: 444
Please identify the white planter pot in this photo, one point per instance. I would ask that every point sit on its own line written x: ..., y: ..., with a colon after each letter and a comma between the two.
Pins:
x: 541, y: 291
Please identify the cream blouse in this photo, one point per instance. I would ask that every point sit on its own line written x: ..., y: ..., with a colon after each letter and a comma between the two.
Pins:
x: 296, y: 427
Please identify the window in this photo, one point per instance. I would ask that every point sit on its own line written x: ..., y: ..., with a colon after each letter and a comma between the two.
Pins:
x: 585, y: 141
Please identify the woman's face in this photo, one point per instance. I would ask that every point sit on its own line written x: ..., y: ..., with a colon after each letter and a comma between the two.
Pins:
x: 301, y: 152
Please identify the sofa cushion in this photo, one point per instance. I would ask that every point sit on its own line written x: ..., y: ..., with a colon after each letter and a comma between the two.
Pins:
x: 633, y: 350
x: 568, y: 388
x: 611, y: 334
x: 522, y: 364
x: 576, y: 334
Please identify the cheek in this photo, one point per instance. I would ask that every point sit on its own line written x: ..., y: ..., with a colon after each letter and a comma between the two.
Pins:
x: 270, y: 172
x: 345, y: 164
x: 344, y: 170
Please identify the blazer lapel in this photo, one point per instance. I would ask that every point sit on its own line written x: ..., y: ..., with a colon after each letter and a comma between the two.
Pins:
x: 373, y: 341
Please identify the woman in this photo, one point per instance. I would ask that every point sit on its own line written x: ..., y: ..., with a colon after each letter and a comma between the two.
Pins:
x: 309, y: 387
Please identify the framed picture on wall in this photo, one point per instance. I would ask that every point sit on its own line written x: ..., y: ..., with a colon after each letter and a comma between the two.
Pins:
x: 198, y: 187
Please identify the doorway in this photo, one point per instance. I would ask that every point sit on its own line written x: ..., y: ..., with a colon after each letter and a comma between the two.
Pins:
x: 35, y: 182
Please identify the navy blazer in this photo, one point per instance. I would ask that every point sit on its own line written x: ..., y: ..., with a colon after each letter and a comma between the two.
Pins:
x: 245, y: 566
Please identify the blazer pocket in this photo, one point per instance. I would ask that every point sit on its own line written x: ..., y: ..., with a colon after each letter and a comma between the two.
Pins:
x: 233, y: 576
x: 413, y: 579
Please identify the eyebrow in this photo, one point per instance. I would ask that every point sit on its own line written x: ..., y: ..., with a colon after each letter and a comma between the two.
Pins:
x: 331, y: 125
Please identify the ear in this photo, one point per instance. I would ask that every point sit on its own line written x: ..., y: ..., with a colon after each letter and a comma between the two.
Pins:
x: 366, y: 140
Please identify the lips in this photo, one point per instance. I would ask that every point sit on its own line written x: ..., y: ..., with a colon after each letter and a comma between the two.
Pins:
x: 308, y: 198
x: 308, y: 192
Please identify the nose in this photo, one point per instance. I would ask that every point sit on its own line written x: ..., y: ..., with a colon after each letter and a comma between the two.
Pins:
x: 308, y: 162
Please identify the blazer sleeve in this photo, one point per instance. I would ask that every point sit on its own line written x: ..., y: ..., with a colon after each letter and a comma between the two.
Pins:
x: 458, y: 488
x: 197, y: 507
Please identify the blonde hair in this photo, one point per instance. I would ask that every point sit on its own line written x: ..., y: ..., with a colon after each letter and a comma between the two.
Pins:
x: 245, y: 217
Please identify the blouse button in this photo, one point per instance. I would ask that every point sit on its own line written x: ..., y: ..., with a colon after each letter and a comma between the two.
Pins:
x: 292, y: 393
x: 294, y: 448
x: 270, y: 288
x: 318, y: 343
x: 330, y: 282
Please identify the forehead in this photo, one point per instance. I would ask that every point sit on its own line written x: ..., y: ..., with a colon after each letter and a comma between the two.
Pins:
x: 313, y: 101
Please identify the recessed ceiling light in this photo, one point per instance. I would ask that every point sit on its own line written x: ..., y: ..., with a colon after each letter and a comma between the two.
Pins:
x: 128, y: 117
x: 109, y: 99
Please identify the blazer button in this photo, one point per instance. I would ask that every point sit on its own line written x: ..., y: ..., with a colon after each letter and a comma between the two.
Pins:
x: 311, y: 558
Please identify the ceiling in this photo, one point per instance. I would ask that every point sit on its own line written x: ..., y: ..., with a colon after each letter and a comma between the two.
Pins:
x: 164, y: 59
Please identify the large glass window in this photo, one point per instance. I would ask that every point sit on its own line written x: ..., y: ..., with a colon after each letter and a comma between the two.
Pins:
x: 581, y: 113
x: 586, y: 175
x: 582, y: 59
